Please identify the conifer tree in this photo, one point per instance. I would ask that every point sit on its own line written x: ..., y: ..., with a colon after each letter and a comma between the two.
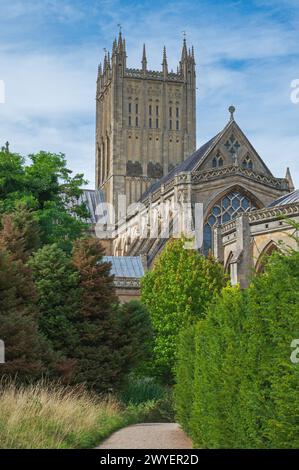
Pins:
x: 20, y: 233
x: 57, y: 285
x: 136, y: 327
x: 99, y: 354
x: 26, y: 351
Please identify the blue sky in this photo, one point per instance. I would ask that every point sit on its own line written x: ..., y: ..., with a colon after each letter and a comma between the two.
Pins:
x: 247, y: 54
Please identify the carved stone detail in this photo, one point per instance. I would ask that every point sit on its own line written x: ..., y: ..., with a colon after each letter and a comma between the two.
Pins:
x: 134, y: 168
x: 154, y: 170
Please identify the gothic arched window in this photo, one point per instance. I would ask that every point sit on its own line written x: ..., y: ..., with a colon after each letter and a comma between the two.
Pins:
x: 217, y: 160
x: 247, y: 163
x: 269, y: 249
x: 226, y: 209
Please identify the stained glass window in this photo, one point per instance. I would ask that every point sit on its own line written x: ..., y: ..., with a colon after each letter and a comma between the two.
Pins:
x: 226, y: 209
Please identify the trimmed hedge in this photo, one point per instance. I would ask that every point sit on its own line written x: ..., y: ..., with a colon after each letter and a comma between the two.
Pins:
x: 240, y: 389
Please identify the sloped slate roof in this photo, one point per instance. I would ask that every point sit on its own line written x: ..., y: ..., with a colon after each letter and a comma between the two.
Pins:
x: 92, y: 198
x: 286, y: 199
x: 187, y: 165
x: 126, y: 266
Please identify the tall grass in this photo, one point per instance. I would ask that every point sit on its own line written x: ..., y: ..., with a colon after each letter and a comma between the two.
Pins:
x: 45, y: 416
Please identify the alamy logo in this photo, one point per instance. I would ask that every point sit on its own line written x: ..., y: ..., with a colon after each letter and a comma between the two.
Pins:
x: 295, y: 354
x: 2, y: 92
x: 295, y: 92
x: 2, y: 352
x: 159, y: 221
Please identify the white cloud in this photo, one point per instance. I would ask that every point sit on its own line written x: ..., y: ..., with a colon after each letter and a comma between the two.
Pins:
x: 50, y: 87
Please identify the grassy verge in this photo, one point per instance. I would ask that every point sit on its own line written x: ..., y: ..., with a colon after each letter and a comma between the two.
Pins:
x: 52, y: 417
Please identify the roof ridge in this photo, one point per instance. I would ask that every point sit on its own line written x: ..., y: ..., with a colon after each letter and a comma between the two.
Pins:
x: 192, y: 159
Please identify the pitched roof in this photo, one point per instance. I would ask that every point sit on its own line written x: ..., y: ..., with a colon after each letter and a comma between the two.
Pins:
x: 196, y: 159
x: 125, y: 266
x: 286, y: 199
x: 187, y: 165
x: 91, y: 198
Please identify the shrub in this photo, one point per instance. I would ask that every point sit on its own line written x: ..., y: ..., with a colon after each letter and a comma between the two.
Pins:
x: 142, y: 389
x: 184, y: 387
x: 245, y: 388
x: 176, y: 293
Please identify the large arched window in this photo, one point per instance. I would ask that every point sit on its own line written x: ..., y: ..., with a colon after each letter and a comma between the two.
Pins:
x: 226, y: 209
x: 269, y: 249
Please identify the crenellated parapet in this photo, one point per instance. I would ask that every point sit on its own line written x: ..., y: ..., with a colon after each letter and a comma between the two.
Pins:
x: 117, y: 60
x: 152, y: 74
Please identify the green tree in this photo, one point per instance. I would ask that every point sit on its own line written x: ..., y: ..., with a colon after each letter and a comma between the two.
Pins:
x: 47, y: 187
x: 176, y: 293
x: 135, y: 324
x: 99, y: 354
x: 215, y: 418
x: 184, y: 377
x: 27, y: 353
x: 20, y: 233
x: 11, y: 180
x: 245, y: 385
x: 270, y: 387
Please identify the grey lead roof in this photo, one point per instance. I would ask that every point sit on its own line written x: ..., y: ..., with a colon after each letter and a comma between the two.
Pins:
x: 92, y: 198
x: 125, y: 266
x: 187, y: 165
x: 286, y: 199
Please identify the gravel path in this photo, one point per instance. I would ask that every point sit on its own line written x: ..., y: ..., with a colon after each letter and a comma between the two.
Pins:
x: 148, y: 436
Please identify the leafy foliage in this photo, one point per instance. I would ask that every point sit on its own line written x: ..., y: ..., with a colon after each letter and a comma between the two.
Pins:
x: 245, y: 388
x: 184, y: 372
x: 47, y: 188
x: 176, y: 293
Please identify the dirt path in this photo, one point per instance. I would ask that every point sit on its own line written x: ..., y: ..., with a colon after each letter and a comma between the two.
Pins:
x: 148, y: 436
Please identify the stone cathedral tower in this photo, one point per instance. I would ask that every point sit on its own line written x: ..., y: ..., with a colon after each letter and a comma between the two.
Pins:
x: 145, y: 122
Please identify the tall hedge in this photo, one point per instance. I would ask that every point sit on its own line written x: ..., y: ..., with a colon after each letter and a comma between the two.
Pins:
x: 245, y: 388
x: 184, y: 371
x: 271, y: 386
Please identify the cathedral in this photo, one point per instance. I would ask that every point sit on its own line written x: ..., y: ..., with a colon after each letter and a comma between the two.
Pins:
x: 146, y: 151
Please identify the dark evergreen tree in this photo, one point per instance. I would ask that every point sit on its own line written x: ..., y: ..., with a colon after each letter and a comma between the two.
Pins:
x: 136, y: 327
x: 57, y: 285
x: 99, y: 353
x: 26, y: 351
x: 20, y: 233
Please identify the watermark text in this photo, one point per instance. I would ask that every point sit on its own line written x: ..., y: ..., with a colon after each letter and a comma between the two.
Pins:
x: 295, y: 92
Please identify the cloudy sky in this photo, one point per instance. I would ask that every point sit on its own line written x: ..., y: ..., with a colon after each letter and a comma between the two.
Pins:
x: 247, y: 54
